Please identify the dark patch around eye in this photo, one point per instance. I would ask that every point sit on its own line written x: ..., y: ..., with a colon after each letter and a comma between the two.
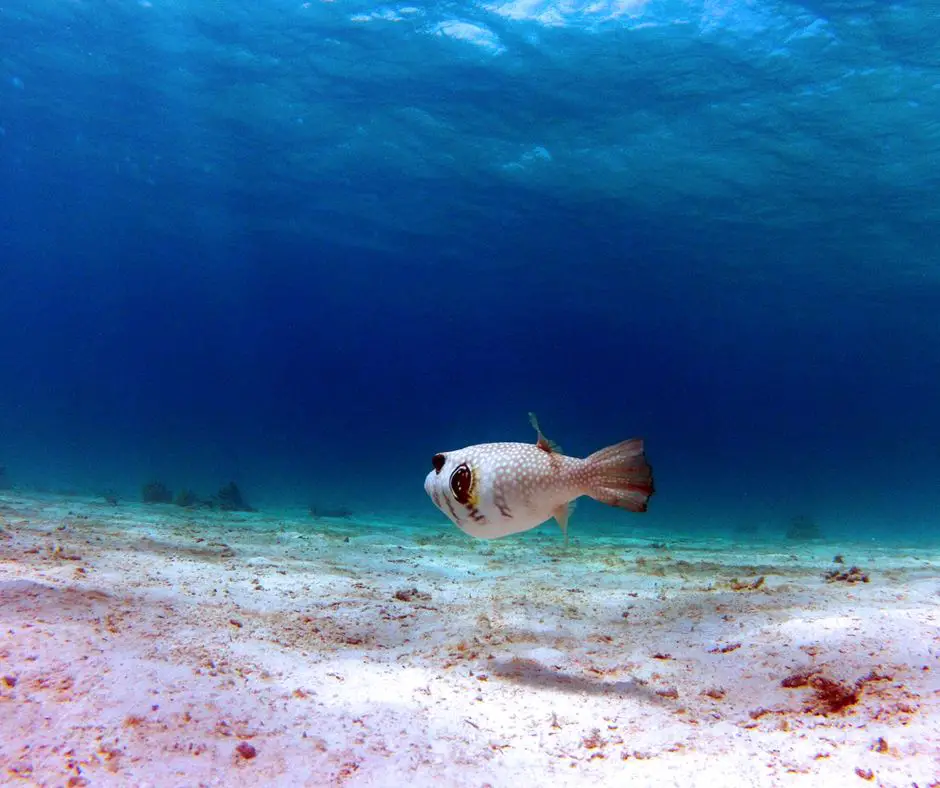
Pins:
x: 438, y: 461
x: 460, y: 482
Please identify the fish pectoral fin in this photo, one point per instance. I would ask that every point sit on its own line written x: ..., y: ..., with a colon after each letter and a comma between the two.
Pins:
x: 561, y: 517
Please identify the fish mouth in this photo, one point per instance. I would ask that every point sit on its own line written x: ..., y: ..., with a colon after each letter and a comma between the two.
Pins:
x: 432, y: 486
x: 433, y: 494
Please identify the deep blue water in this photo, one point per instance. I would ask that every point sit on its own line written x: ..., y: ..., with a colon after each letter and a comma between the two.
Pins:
x: 305, y: 246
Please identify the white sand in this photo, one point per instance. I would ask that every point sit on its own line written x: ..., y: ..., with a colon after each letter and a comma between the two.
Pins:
x: 143, y: 645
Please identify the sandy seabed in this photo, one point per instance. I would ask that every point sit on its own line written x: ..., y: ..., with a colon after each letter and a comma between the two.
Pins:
x: 152, y: 646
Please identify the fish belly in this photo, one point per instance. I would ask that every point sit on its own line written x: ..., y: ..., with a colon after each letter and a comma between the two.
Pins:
x: 497, y: 525
x: 507, y: 514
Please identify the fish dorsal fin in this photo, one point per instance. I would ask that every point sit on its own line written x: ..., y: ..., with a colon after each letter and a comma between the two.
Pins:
x: 543, y: 443
x: 560, y: 514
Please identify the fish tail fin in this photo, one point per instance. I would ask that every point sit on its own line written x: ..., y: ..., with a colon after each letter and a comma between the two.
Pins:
x: 620, y: 476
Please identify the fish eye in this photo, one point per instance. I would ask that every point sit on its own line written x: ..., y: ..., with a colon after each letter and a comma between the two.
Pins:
x: 460, y: 481
x: 438, y: 462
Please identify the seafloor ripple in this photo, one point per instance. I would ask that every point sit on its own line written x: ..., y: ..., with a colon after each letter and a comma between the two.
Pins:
x: 144, y: 646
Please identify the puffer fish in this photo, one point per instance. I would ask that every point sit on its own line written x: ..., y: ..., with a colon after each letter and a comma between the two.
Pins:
x: 496, y: 489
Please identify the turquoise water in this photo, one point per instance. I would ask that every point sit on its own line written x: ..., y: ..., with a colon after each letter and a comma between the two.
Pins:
x: 305, y: 246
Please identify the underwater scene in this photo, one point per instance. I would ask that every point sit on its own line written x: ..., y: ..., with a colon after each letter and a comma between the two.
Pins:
x: 498, y: 393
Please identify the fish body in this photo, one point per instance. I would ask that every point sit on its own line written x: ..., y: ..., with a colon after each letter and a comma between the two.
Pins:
x: 495, y: 489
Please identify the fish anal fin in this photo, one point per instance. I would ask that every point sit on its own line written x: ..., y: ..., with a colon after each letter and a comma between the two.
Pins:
x: 561, y: 513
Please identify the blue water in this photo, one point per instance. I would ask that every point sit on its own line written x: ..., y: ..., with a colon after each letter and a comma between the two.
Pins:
x: 305, y: 246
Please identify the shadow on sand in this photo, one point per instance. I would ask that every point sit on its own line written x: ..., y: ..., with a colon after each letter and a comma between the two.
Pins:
x: 538, y: 676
